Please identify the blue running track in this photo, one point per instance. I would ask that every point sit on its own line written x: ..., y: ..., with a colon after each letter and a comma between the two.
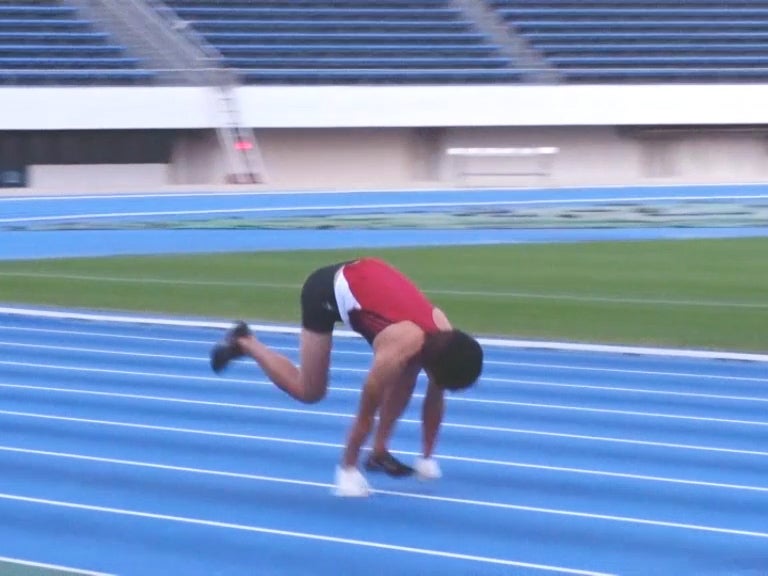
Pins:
x: 122, y: 453
x: 85, y: 212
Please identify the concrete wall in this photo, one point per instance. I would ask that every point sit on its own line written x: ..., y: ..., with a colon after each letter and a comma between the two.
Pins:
x: 416, y: 158
x: 341, y: 158
x: 98, y: 177
x: 387, y: 106
x: 396, y: 137
x: 196, y: 159
x: 612, y: 155
x: 392, y: 158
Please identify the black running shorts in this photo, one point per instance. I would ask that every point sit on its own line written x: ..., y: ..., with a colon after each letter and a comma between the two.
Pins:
x: 319, y: 311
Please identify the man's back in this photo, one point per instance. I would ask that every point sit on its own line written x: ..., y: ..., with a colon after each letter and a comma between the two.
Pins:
x: 381, y: 296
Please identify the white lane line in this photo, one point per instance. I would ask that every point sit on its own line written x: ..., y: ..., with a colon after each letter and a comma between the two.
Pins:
x: 516, y: 294
x: 367, y: 353
x: 259, y: 196
x: 117, y: 336
x: 156, y: 339
x: 627, y: 371
x: 56, y: 567
x: 619, y: 389
x: 144, y: 280
x: 520, y: 431
x: 372, y: 206
x: 259, y: 407
x: 565, y: 191
x: 445, y: 457
x: 272, y: 209
x: 171, y: 400
x: 140, y: 374
x: 502, y: 343
x: 303, y: 535
x: 103, y: 351
x: 516, y: 507
x: 354, y: 390
x: 262, y: 382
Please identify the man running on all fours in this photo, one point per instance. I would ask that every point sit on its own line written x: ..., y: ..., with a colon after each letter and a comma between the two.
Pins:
x: 407, y: 334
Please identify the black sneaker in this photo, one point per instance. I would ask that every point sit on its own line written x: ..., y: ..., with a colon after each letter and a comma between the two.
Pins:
x: 228, y: 349
x: 388, y: 464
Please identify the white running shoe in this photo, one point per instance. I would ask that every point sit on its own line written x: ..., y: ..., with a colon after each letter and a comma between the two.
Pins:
x: 351, y: 482
x: 427, y: 469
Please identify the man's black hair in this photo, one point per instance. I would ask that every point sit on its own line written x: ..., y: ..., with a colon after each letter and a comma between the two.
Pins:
x: 453, y: 358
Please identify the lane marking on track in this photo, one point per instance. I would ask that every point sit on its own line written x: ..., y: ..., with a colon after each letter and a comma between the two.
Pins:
x: 299, y: 535
x: 508, y: 464
x: 521, y: 431
x: 339, y: 369
x: 567, y: 191
x: 56, y: 567
x: 559, y: 297
x: 261, y: 195
x: 516, y: 507
x: 501, y: 343
x: 627, y: 371
x: 367, y: 353
x: 310, y: 412
x: 346, y: 208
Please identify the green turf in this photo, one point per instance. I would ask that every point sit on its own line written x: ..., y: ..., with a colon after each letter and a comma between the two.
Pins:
x: 697, y: 293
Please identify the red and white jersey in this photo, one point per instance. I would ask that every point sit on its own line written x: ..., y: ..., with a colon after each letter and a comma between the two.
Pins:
x: 371, y: 295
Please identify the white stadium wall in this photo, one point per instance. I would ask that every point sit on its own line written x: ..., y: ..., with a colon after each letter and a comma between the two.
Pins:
x: 389, y: 137
x: 97, y: 177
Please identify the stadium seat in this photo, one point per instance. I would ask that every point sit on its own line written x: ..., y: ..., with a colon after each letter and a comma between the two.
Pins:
x: 347, y: 41
x: 645, y: 40
x: 398, y: 75
x: 49, y: 42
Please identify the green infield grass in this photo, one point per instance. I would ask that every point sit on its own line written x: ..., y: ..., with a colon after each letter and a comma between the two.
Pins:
x: 688, y: 293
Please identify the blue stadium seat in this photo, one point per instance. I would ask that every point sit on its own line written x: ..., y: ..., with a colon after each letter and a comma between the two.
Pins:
x: 82, y: 50
x: 255, y: 27
x: 36, y: 10
x: 318, y: 13
x: 424, y: 4
x: 347, y: 41
x: 288, y: 49
x: 280, y: 62
x: 58, y: 62
x: 305, y: 76
x: 49, y: 42
x: 54, y: 39
x: 344, y: 38
x: 645, y: 40
x: 74, y: 77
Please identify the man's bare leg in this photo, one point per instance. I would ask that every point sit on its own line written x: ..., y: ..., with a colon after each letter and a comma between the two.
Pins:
x: 307, y: 382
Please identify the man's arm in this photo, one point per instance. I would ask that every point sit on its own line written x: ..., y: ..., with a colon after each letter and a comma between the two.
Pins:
x: 434, y: 407
x: 361, y: 427
x: 392, y: 352
x: 431, y: 417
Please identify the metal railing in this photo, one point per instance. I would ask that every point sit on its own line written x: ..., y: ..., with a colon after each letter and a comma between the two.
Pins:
x: 146, y: 33
x: 534, y: 68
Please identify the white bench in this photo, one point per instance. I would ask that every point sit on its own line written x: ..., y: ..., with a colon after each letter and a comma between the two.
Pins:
x: 542, y: 158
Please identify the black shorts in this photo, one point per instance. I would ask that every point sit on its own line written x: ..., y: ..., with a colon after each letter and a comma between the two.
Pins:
x: 319, y: 311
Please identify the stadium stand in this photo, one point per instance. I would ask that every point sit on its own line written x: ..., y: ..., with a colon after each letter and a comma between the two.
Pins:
x: 347, y: 41
x: 621, y: 41
x: 49, y: 42
x: 397, y: 41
